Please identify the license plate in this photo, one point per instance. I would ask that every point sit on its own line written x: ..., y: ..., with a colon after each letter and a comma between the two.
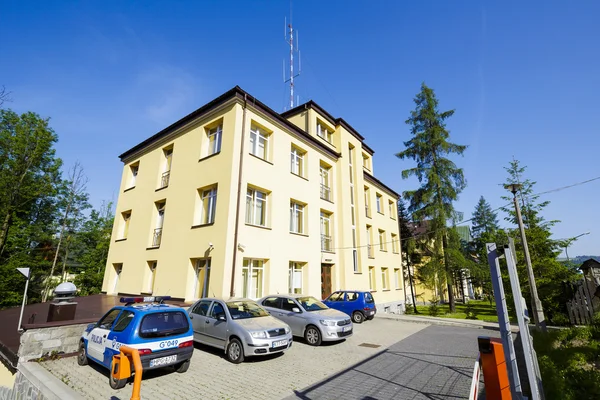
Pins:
x: 371, y: 312
x: 163, y: 361
x: 347, y: 329
x: 280, y: 343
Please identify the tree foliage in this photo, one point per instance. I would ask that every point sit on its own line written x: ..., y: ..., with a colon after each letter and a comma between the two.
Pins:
x: 440, y: 179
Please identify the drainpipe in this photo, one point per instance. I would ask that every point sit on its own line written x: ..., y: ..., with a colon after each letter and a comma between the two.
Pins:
x: 239, y: 199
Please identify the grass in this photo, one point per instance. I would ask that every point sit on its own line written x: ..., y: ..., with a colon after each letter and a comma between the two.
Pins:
x: 479, y: 310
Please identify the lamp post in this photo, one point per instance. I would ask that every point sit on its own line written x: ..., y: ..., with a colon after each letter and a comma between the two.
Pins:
x: 568, y: 242
x: 538, y: 311
x: 26, y: 272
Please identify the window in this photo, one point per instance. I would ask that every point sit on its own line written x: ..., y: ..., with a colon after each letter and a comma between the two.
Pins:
x: 151, y: 277
x: 273, y: 302
x: 125, y: 218
x: 166, y: 172
x: 160, y: 218
x: 296, y: 217
x: 392, y: 209
x: 206, y: 206
x: 118, y: 268
x: 324, y: 132
x: 325, y: 185
x: 369, y: 245
x: 384, y: 279
x: 252, y: 278
x: 395, y: 243
x: 355, y: 260
x: 133, y: 173
x: 107, y: 321
x: 337, y: 296
x: 397, y: 279
x: 288, y: 304
x: 123, y: 321
x: 201, y: 308
x: 297, y: 161
x: 366, y: 162
x: 367, y: 203
x: 382, y: 244
x: 214, y: 139
x: 350, y: 158
x: 217, y: 310
x: 259, y: 142
x: 326, y: 240
x: 295, y: 277
x: 256, y: 207
x: 201, y: 277
x: 164, y: 324
x: 372, y: 278
x: 378, y: 202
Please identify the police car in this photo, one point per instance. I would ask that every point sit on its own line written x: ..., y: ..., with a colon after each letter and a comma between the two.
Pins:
x: 162, y: 334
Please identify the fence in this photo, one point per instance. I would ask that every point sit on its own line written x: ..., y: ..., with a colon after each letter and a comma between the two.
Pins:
x: 581, y: 307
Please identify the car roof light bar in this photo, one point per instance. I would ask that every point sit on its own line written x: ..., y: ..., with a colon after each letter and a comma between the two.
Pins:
x: 147, y: 299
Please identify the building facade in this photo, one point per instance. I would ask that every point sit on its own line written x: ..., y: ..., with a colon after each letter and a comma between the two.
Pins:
x: 236, y: 199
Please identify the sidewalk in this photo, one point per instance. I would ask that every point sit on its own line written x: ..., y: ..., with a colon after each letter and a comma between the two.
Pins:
x: 464, y: 323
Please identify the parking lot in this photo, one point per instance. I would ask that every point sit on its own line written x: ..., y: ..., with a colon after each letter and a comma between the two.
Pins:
x: 272, y: 377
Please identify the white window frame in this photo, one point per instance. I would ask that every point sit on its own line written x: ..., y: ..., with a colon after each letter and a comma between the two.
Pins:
x: 394, y: 239
x: 378, y: 202
x: 258, y: 138
x: 125, y: 224
x: 201, y: 265
x: 371, y: 280
x: 384, y: 279
x: 297, y: 161
x: 392, y: 211
x: 327, y: 135
x: 254, y: 197
x: 382, y: 246
x: 294, y: 276
x: 296, y: 217
x: 134, y: 170
x: 397, y: 277
x: 249, y: 266
x: 208, y: 205
x: 215, y: 136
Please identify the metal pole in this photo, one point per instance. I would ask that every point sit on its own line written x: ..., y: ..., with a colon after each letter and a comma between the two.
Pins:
x: 538, y: 311
x: 23, y: 305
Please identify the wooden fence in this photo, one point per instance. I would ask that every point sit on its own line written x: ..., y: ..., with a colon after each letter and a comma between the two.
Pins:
x: 581, y: 306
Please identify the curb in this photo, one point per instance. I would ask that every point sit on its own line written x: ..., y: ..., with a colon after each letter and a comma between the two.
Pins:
x: 418, y: 320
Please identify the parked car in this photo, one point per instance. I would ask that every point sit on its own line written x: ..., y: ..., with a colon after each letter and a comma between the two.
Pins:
x: 162, y: 334
x: 240, y: 327
x: 308, y: 317
x: 359, y: 305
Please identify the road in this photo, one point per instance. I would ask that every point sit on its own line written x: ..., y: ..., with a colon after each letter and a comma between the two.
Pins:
x: 384, y: 359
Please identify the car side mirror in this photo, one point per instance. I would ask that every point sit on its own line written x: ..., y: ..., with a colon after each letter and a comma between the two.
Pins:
x: 221, y: 317
x: 191, y: 316
x: 296, y: 310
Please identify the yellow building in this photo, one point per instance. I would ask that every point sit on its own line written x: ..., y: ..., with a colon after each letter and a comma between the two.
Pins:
x: 236, y: 199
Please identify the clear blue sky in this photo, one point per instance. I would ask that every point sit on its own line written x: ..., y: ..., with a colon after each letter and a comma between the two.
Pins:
x: 524, y: 79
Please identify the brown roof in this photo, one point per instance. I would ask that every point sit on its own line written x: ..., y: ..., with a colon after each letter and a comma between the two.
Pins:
x: 89, y: 309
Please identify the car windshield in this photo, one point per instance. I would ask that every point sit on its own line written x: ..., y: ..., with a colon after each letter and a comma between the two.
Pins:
x: 163, y: 324
x: 311, y: 304
x: 245, y: 309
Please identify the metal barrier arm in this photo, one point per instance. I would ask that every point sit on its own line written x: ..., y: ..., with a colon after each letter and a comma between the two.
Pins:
x: 122, y: 368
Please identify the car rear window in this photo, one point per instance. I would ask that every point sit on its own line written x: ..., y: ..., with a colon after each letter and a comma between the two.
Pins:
x: 369, y: 298
x: 162, y: 324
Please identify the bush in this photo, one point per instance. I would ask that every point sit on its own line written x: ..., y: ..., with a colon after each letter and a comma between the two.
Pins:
x: 434, y: 307
x: 470, y: 311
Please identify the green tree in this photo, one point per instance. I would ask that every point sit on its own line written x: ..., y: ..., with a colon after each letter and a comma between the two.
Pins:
x: 408, y: 247
x: 485, y: 229
x: 440, y: 179
x: 548, y: 272
x: 484, y: 219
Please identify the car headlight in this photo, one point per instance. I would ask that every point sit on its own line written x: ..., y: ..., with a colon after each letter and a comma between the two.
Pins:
x: 287, y: 330
x: 327, y: 322
x: 259, y: 335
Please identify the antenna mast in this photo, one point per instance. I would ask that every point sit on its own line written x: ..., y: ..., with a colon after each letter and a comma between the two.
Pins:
x: 289, y: 33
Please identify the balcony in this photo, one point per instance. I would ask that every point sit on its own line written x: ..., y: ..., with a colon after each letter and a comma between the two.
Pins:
x: 370, y: 252
x: 326, y: 243
x: 325, y: 192
x: 156, y: 237
x: 164, y: 180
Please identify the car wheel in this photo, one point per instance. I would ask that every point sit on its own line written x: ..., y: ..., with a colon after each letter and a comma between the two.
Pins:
x: 312, y: 336
x: 358, y: 317
x: 182, y: 367
x: 235, y: 351
x: 82, y: 355
x: 116, y: 384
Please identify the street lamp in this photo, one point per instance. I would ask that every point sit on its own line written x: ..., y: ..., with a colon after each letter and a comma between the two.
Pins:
x: 568, y: 243
x: 538, y: 311
x: 27, y: 274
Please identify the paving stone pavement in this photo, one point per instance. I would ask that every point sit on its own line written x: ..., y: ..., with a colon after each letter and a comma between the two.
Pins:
x: 436, y: 363
x: 210, y: 376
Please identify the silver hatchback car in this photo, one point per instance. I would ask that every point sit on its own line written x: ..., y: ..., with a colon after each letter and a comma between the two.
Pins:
x: 239, y: 326
x: 308, y: 317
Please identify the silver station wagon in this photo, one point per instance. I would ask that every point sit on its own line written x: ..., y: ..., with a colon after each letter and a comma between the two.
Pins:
x: 308, y: 317
x: 239, y: 326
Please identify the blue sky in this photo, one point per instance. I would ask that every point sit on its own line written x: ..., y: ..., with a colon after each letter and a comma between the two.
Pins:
x: 522, y: 76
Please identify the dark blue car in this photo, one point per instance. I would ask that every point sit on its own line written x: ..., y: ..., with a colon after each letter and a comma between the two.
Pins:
x: 359, y: 305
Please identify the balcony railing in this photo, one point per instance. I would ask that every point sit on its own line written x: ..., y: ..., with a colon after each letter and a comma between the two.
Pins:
x: 370, y: 251
x: 368, y: 211
x: 325, y: 192
x: 164, y: 180
x: 326, y: 243
x: 156, y: 237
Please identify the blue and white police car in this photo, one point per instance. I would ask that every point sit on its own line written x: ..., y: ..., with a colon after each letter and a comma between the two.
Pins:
x: 162, y: 334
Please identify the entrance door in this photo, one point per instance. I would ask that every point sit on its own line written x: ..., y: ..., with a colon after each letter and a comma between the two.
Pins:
x: 325, y: 280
